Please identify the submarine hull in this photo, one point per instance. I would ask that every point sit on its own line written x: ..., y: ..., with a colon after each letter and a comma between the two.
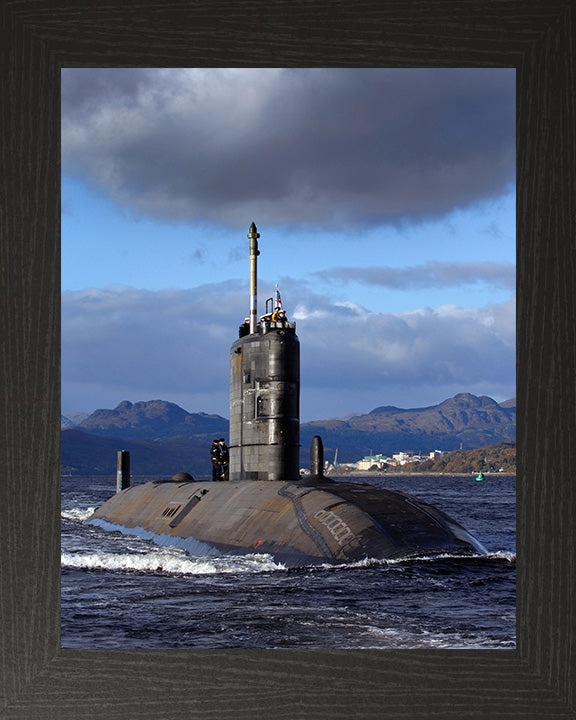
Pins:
x: 297, y: 524
x: 265, y: 507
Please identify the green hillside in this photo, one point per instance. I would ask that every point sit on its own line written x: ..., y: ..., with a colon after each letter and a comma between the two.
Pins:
x: 489, y: 458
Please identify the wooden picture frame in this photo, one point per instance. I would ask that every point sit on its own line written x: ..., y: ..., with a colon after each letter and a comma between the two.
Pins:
x: 39, y: 679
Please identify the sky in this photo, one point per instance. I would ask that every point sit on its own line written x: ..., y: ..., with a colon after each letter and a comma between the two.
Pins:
x: 385, y: 202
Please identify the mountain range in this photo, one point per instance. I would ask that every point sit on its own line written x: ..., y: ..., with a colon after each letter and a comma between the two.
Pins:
x: 164, y: 439
x: 464, y: 420
x: 153, y: 420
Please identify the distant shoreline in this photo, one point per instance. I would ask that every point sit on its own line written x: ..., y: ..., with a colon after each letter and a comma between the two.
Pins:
x: 387, y: 473
x: 351, y: 474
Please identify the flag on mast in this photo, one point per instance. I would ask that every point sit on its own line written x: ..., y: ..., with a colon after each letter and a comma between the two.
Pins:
x: 278, y: 302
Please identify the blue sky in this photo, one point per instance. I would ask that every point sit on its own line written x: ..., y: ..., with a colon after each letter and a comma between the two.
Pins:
x: 385, y: 200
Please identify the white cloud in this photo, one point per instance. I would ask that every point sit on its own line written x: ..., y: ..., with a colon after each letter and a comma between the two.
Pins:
x: 121, y: 343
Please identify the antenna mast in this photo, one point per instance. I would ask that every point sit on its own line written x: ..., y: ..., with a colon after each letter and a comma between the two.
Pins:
x: 253, y: 236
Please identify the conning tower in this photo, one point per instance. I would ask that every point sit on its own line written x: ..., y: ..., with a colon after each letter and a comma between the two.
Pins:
x: 299, y: 523
x: 264, y: 391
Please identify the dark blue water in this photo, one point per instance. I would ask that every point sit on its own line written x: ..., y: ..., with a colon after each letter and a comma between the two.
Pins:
x: 123, y: 592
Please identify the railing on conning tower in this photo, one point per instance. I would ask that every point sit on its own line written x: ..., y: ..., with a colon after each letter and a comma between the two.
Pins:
x: 265, y: 325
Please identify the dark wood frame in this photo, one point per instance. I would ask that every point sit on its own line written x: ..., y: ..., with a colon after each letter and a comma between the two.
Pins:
x: 39, y: 679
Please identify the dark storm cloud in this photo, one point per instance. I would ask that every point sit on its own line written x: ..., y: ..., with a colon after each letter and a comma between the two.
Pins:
x: 431, y: 274
x: 125, y: 344
x: 322, y: 146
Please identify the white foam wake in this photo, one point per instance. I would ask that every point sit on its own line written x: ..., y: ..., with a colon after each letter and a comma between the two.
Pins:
x: 169, y: 561
x: 502, y: 555
x: 78, y: 514
x: 387, y: 562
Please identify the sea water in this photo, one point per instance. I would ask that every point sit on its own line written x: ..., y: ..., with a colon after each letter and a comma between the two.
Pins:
x: 119, y: 591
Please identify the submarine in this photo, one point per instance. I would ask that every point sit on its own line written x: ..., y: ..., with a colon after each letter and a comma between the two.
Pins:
x: 264, y: 505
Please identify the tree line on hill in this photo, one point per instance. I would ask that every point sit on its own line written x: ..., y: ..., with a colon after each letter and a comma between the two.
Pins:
x: 500, y: 457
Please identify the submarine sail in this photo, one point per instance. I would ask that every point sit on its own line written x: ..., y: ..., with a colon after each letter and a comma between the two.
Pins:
x: 266, y: 507
x: 264, y: 392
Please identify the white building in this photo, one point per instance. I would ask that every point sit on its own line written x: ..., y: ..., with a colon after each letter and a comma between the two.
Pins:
x: 403, y: 457
x: 370, y: 460
x: 435, y: 454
